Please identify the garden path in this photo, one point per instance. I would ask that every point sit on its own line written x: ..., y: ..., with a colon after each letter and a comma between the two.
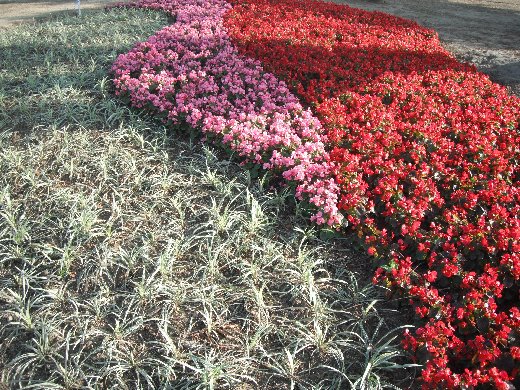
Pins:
x: 13, y: 12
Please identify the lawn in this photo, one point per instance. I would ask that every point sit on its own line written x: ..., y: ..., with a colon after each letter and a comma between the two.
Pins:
x: 134, y: 256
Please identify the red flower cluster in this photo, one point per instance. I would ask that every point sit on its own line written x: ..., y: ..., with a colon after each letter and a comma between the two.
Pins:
x: 427, y: 154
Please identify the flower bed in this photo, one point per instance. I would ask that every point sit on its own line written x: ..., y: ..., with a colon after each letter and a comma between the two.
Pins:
x: 418, y: 151
x: 427, y: 156
x: 190, y: 73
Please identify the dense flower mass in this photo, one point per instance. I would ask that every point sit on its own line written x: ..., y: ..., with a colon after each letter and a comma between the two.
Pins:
x: 427, y: 155
x: 190, y: 73
x: 418, y: 153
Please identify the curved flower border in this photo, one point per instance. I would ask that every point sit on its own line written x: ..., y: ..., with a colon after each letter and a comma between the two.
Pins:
x: 190, y: 73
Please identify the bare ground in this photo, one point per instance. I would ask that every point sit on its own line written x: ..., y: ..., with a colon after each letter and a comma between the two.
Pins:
x: 13, y: 12
x: 483, y: 32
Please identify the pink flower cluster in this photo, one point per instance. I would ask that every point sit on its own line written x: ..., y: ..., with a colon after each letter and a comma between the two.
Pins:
x: 190, y: 73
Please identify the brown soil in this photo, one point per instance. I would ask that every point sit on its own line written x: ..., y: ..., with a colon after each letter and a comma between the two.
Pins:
x: 483, y: 32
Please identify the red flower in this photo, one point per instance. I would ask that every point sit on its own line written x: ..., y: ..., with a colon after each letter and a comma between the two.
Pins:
x: 426, y: 153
